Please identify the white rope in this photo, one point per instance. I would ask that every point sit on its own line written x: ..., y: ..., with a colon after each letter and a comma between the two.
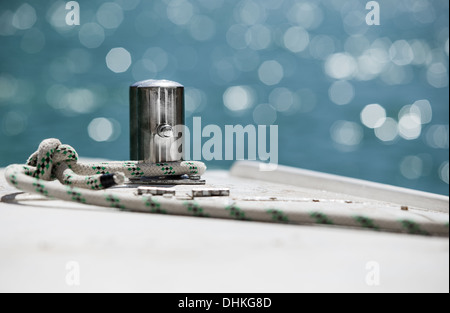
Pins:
x: 54, y: 160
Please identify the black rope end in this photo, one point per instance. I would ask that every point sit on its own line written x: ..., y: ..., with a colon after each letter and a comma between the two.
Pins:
x: 107, y: 180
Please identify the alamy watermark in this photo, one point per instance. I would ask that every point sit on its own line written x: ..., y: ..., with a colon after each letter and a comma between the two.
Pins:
x: 373, y: 274
x: 73, y: 16
x: 72, y: 273
x: 373, y: 17
x: 234, y: 142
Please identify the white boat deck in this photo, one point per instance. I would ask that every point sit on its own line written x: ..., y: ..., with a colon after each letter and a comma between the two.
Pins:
x: 120, y: 251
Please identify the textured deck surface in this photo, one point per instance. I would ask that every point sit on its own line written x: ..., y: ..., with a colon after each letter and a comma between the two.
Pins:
x: 120, y: 251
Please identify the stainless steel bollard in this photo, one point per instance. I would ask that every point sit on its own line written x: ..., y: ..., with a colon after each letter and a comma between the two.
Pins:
x: 134, y: 149
x: 156, y: 107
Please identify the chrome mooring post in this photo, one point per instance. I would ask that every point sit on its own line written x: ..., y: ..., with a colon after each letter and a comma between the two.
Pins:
x: 156, y: 107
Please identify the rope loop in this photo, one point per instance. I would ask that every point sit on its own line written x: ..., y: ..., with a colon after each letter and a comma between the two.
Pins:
x: 54, y: 160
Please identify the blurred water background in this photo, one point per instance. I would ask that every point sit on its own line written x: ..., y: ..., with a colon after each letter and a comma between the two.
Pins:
x: 369, y: 102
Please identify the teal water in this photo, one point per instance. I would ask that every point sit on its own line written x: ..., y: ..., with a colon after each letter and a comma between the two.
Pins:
x: 310, y: 67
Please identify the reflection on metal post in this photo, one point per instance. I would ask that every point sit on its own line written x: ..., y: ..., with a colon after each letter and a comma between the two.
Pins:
x: 156, y: 106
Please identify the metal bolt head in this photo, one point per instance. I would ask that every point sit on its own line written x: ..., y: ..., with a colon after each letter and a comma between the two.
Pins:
x: 165, y: 131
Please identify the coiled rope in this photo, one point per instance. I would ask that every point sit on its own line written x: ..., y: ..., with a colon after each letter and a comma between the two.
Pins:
x: 55, y: 160
x: 83, y: 182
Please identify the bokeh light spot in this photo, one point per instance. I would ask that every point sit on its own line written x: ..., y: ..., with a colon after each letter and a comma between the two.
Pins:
x: 444, y: 172
x: 396, y: 75
x: 118, y: 60
x: 341, y: 92
x: 110, y: 15
x: 296, y: 39
x: 258, y: 37
x: 239, y: 98
x: 437, y: 136
x: 101, y: 129
x: 202, y: 28
x: 306, y: 14
x: 422, y: 108
x: 6, y: 27
x: 270, y: 72
x: 437, y: 75
x: 281, y: 99
x: 411, y: 167
x: 264, y: 114
x: 388, y: 131
x: 341, y: 66
x: 195, y: 100
x: 347, y: 133
x: 401, y: 53
x: 158, y: 57
x: 91, y: 35
x: 409, y: 126
x: 14, y: 123
x: 251, y: 13
x: 8, y: 86
x: 80, y: 100
x: 180, y: 12
x: 373, y: 116
x: 25, y: 17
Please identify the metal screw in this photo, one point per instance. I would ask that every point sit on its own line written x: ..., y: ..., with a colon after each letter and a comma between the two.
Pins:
x: 156, y: 191
x: 210, y: 192
x: 165, y: 131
